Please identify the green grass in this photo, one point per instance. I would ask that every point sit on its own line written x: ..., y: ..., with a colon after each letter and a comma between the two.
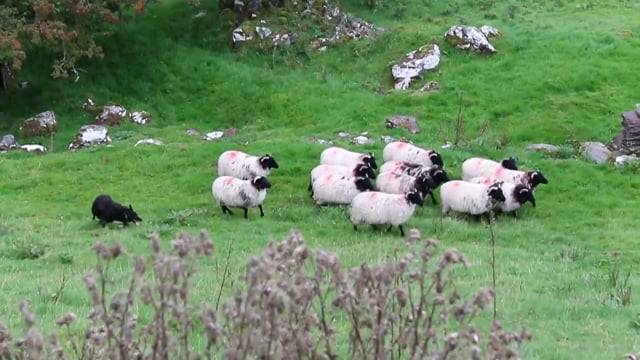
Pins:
x: 562, y: 73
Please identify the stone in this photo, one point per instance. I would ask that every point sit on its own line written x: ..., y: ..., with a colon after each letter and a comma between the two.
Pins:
x: 320, y: 141
x: 625, y: 159
x: 414, y: 64
x: 362, y: 140
x: 596, y: 151
x: 149, y: 141
x: 33, y: 148
x: 343, y: 135
x: 213, y: 135
x: 90, y: 135
x: 431, y: 85
x: 407, y: 122
x: 43, y: 124
x: 193, y: 132
x: 140, y: 117
x: 543, y: 147
x: 8, y: 142
x: 110, y: 115
x: 472, y: 38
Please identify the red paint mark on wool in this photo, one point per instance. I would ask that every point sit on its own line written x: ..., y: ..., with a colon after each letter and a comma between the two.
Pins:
x: 228, y: 180
x: 401, y: 145
x: 499, y: 172
x: 456, y: 184
x: 479, y: 163
x: 233, y: 155
x: 327, y: 179
x: 373, y: 195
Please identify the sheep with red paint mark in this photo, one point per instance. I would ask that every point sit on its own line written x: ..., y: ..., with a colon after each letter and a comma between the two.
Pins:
x: 245, y: 166
x: 531, y: 178
x: 330, y: 189
x: 479, y: 166
x: 402, y: 151
x: 433, y: 176
x: 359, y: 170
x: 379, y: 208
x: 516, y: 195
x: 398, y: 183
x: 229, y: 191
x: 339, y: 156
x: 470, y: 198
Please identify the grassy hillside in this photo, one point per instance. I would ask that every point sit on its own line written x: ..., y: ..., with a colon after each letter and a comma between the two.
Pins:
x: 564, y: 72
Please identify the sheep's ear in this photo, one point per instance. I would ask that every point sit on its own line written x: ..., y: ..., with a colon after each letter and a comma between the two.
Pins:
x: 372, y: 155
x: 130, y: 208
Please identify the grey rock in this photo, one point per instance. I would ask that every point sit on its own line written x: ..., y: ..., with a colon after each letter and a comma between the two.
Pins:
x: 472, y: 38
x: 543, y: 147
x: 193, y: 132
x: 625, y: 159
x: 33, y: 148
x: 596, y: 151
x: 407, y: 122
x: 414, y: 64
x: 140, y: 117
x: 43, y: 124
x: 8, y: 142
x: 90, y: 135
x: 149, y: 141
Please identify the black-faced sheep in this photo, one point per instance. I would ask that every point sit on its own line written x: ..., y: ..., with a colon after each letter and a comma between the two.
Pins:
x: 478, y: 166
x: 515, y: 195
x: 470, y: 198
x: 107, y: 211
x: 245, y: 166
x: 399, y: 183
x: 529, y: 178
x: 229, y: 191
x: 359, y: 170
x: 339, y: 156
x: 378, y: 208
x: 402, y: 151
x: 331, y: 189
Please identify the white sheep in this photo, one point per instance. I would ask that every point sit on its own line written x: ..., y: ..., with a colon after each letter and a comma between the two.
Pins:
x: 332, y: 189
x: 515, y: 195
x: 403, y: 167
x: 402, y: 151
x: 478, y: 166
x: 529, y: 178
x: 399, y: 183
x: 245, y: 166
x: 339, y: 156
x: 470, y: 198
x: 379, y: 208
x: 229, y: 191
x: 360, y: 169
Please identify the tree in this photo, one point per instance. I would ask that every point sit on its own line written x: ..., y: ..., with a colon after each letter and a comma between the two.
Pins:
x: 68, y: 28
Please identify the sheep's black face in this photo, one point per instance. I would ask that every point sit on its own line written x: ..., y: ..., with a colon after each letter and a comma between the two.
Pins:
x: 436, y: 159
x: 268, y: 162
x: 261, y: 183
x: 363, y: 183
x: 509, y: 163
x: 365, y: 170
x: 438, y: 175
x: 522, y: 194
x: 414, y: 197
x: 495, y: 192
x: 370, y: 159
x: 131, y: 216
x: 537, y: 178
x: 424, y: 184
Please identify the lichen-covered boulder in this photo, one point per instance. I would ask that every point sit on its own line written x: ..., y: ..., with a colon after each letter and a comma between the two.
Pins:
x: 110, y: 115
x: 8, y: 142
x: 407, y: 122
x: 140, y: 117
x: 414, y: 64
x: 90, y: 135
x: 472, y: 38
x: 43, y: 124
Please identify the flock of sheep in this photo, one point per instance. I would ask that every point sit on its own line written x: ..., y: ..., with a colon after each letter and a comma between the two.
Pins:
x: 408, y: 175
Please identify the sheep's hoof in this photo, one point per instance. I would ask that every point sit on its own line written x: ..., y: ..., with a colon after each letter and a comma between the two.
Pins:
x: 355, y: 228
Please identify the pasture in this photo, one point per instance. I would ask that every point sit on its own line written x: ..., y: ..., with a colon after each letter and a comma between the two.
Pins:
x: 564, y: 72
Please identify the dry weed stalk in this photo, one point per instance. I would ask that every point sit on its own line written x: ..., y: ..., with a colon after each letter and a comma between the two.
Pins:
x: 292, y: 302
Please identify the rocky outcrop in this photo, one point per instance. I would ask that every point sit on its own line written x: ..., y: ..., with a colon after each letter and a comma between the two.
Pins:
x: 90, y: 135
x: 414, y: 64
x: 472, y: 38
x: 43, y: 124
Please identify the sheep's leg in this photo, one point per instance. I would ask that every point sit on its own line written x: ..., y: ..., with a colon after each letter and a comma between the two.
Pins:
x: 375, y: 227
x: 226, y: 210
x: 261, y: 212
x: 401, y: 230
x: 390, y: 227
x: 355, y: 228
x: 103, y: 223
x: 245, y: 212
x: 514, y: 213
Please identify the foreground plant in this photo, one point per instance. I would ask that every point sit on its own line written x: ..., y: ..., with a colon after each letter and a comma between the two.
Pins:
x: 292, y: 302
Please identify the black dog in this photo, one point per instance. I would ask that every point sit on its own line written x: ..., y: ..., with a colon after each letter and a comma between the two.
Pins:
x: 107, y: 210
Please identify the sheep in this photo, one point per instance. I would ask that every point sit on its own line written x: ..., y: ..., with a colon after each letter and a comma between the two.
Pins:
x: 470, y: 198
x: 432, y: 175
x: 379, y: 208
x: 478, y: 166
x: 230, y: 191
x: 330, y: 189
x: 245, y: 166
x: 398, y: 183
x: 107, y: 211
x: 403, y: 167
x: 402, y: 151
x: 339, y: 156
x: 515, y: 195
x: 360, y: 169
x: 529, y: 178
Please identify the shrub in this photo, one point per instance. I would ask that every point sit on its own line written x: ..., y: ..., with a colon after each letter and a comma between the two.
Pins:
x: 292, y: 302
